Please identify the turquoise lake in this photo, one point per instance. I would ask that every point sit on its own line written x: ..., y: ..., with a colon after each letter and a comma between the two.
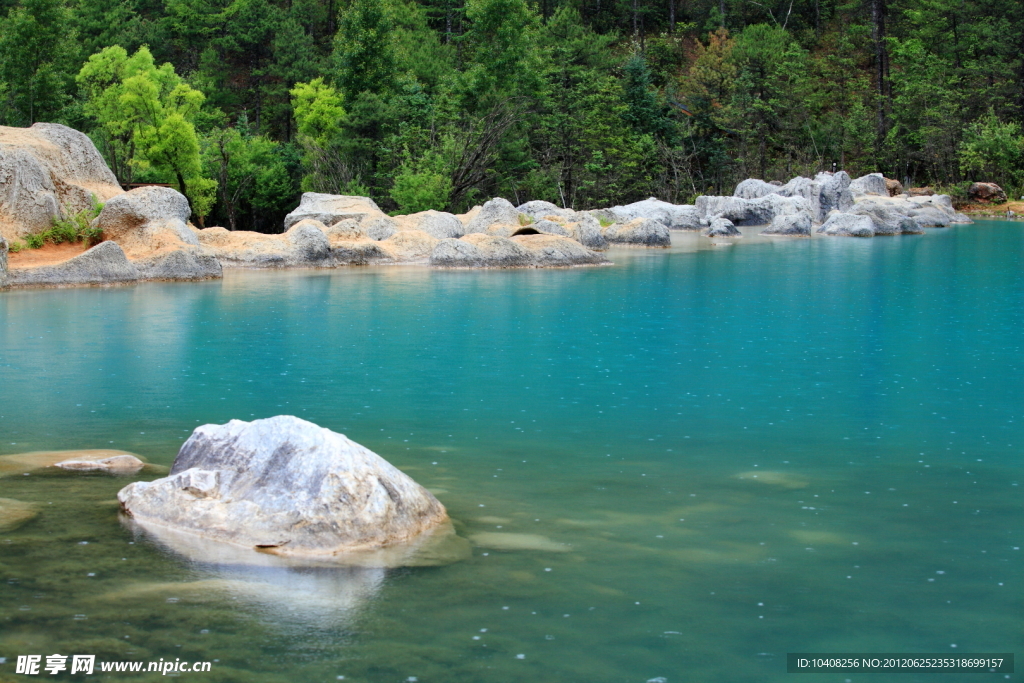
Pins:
x: 679, y: 467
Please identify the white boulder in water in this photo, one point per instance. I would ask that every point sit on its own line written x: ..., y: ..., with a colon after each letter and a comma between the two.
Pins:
x: 287, y: 487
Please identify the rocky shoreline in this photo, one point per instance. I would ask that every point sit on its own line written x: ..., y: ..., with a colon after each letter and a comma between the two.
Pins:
x: 51, y: 171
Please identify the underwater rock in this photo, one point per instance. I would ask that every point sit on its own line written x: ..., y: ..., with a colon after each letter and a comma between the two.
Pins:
x: 114, y: 463
x: 771, y: 478
x: 286, y: 487
x: 20, y: 463
x: 497, y: 540
x: 14, y: 513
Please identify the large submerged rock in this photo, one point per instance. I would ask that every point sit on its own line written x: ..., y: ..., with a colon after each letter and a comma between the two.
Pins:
x: 46, y: 171
x: 286, y: 487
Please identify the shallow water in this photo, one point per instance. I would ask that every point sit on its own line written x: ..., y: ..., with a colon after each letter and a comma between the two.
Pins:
x: 683, y: 466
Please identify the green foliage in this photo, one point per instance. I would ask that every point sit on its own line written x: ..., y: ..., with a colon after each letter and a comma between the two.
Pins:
x: 75, y: 227
x: 364, y: 56
x: 993, y: 150
x: 422, y: 185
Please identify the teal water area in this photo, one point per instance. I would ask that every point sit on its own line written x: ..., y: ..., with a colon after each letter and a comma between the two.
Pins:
x: 683, y: 466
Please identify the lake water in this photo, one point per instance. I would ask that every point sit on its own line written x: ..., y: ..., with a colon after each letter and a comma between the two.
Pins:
x: 683, y: 466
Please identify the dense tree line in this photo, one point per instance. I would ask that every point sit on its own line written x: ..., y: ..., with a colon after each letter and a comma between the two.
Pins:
x: 441, y: 104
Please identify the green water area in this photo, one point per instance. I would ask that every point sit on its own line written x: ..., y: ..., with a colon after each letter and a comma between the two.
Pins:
x: 678, y: 468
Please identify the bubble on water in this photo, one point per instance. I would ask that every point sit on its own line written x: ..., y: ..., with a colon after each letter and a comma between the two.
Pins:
x: 520, y: 656
x: 91, y: 574
x: 476, y: 637
x: 659, y: 679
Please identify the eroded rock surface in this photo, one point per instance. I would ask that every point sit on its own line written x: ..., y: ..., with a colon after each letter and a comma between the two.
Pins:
x: 672, y: 216
x: 284, y: 486
x: 645, y: 232
x: 105, y: 263
x: 46, y: 172
x: 331, y: 208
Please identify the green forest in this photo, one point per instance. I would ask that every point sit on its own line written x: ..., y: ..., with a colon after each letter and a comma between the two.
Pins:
x: 442, y: 104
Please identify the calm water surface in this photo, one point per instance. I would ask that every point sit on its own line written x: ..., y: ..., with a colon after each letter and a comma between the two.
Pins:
x: 683, y: 466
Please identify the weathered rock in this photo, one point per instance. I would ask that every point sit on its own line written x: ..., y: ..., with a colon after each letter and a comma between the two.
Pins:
x: 672, y: 216
x: 920, y: 192
x: 827, y: 191
x: 3, y: 261
x: 188, y: 263
x: 760, y: 211
x: 539, y: 209
x: 14, y: 513
x: 986, y: 193
x: 20, y: 463
x: 304, y: 245
x: 379, y: 228
x: 121, y: 463
x: 587, y: 231
x: 342, y: 231
x: 926, y: 211
x: 887, y: 215
x: 755, y: 188
x: 359, y: 252
x: 548, y: 227
x: 438, y: 224
x: 331, y: 208
x: 792, y: 224
x: 644, y: 232
x: 478, y: 250
x: 150, y: 224
x: 553, y: 250
x: 287, y: 487
x: 721, y: 227
x: 46, y: 172
x: 873, y: 184
x: 494, y: 211
x: 105, y: 263
x: 457, y: 253
x: 410, y: 245
x: 848, y: 225
x: 310, y: 244
x: 894, y: 187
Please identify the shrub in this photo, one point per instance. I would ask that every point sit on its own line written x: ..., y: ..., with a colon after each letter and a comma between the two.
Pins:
x: 74, y: 228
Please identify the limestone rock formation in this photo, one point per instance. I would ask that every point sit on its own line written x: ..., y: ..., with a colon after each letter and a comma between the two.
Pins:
x: 439, y: 224
x: 672, y: 216
x: 825, y: 192
x: 539, y: 209
x: 303, y: 245
x: 379, y: 228
x: 3, y: 261
x: 549, y: 227
x: 554, y: 250
x: 105, y: 263
x: 331, y: 208
x: 122, y: 463
x: 894, y: 187
x: 287, y: 487
x: 721, y: 227
x: 848, y: 225
x: 645, y: 232
x: 410, y: 245
x: 478, y: 250
x: 759, y: 211
x: 986, y: 193
x: 871, y: 184
x: 790, y: 224
x: 587, y: 231
x: 493, y: 212
x: 46, y: 172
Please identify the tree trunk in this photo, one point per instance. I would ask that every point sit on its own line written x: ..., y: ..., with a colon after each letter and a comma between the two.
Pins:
x: 671, y: 16
x: 878, y: 12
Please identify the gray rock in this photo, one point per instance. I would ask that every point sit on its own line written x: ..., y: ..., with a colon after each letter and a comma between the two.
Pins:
x: 754, y: 188
x: 550, y: 228
x: 189, y: 263
x: 791, y: 224
x: 672, y: 216
x: 142, y: 207
x: 438, y: 224
x: 870, y: 184
x: 540, y: 209
x: 46, y: 171
x: 286, y: 487
x: 457, y: 253
x: 478, y: 250
x: 310, y: 243
x: 644, y: 232
x: 3, y: 261
x: 115, y: 463
x: 358, y: 253
x: 833, y: 194
x: 721, y: 227
x: 331, y: 208
x: 887, y: 217
x: 553, y: 250
x: 494, y: 211
x: 760, y: 211
x: 848, y: 225
x: 105, y: 263
x: 379, y: 228
x: 587, y: 231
